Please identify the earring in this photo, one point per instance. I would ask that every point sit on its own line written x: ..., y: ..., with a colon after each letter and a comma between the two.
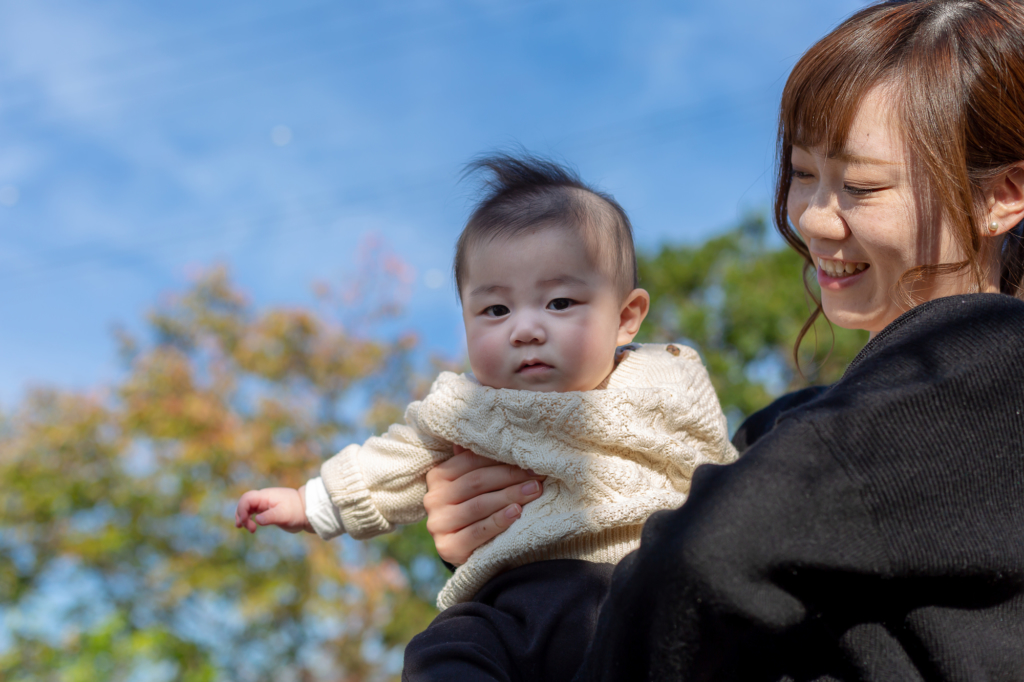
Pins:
x: 993, y: 227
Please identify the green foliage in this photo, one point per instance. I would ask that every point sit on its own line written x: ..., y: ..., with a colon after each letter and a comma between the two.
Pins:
x: 742, y: 304
x: 111, y: 651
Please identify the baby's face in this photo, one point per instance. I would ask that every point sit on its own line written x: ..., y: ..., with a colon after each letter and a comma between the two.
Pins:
x: 539, y: 315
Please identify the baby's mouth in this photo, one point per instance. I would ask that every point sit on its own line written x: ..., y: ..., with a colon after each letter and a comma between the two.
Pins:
x: 839, y: 268
x: 533, y: 366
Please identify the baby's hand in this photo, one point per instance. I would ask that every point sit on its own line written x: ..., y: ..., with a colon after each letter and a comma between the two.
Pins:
x: 282, y: 507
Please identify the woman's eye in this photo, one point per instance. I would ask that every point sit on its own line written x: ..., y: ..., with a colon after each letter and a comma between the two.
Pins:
x: 858, y: 191
x: 560, y: 303
x: 496, y: 311
x: 800, y: 175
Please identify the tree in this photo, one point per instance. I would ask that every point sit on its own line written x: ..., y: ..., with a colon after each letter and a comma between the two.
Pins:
x: 742, y: 303
x: 130, y: 492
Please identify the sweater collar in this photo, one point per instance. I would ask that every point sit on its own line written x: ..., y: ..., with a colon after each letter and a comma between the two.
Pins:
x: 628, y: 367
x: 894, y: 328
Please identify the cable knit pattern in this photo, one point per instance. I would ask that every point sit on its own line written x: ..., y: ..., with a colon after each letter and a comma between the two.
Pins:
x: 612, y: 457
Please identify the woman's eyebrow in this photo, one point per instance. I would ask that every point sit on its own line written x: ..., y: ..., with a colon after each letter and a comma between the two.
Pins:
x: 847, y: 157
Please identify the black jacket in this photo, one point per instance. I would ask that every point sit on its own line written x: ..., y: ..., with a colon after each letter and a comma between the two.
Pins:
x: 873, y: 530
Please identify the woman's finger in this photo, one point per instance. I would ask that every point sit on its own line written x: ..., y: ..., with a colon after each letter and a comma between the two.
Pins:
x: 456, y: 547
x: 481, y: 481
x: 459, y: 465
x: 489, y: 479
x: 448, y: 518
x: 471, y: 499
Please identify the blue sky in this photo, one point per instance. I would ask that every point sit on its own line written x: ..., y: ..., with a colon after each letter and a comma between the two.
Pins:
x: 140, y: 142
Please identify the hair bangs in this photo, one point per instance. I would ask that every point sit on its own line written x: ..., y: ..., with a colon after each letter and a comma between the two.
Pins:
x: 827, y: 85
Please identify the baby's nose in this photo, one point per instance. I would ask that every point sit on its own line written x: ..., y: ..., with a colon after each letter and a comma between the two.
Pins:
x: 528, y: 330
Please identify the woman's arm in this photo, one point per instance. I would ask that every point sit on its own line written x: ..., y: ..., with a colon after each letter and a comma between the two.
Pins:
x: 750, y: 577
x: 470, y: 499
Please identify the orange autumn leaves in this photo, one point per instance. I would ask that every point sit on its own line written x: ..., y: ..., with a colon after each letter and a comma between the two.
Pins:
x: 125, y: 489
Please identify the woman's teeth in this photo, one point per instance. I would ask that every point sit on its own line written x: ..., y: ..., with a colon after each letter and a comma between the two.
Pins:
x: 838, y: 268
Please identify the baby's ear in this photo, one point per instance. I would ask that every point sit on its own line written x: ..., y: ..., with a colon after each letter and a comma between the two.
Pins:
x: 631, y: 315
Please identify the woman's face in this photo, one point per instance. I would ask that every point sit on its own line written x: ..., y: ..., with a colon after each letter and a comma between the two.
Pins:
x: 866, y: 222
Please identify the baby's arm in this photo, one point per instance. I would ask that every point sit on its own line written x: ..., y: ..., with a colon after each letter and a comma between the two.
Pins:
x: 282, y: 507
x: 364, y: 490
x: 393, y: 461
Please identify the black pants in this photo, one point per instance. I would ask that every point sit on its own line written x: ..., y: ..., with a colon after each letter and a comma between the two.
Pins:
x: 529, y: 623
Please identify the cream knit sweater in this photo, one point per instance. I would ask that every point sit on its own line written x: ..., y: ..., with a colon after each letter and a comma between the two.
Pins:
x: 613, y: 456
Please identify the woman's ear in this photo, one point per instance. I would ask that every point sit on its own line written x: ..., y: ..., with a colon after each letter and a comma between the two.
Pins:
x: 1005, y: 199
x: 631, y: 315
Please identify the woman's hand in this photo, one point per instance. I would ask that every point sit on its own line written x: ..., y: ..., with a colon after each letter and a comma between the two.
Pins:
x: 470, y: 499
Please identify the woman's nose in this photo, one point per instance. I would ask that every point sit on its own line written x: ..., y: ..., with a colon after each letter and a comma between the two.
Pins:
x: 820, y: 219
x: 527, y: 330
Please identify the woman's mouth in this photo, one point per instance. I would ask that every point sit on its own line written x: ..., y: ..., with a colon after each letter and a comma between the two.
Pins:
x: 836, y: 275
x: 839, y: 269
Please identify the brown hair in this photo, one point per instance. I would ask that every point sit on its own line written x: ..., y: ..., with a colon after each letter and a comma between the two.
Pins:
x: 524, y: 193
x: 956, y: 71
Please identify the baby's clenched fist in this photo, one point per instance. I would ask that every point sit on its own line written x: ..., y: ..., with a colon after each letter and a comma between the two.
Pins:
x: 282, y: 507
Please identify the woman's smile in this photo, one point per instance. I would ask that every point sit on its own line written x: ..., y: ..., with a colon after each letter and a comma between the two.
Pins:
x: 837, y: 274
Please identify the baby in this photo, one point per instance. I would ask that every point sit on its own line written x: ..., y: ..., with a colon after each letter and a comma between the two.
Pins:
x: 546, y: 273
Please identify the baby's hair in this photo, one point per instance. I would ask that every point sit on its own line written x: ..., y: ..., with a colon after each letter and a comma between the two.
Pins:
x: 526, y: 193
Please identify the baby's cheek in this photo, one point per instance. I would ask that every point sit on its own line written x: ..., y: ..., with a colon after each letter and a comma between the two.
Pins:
x: 486, y: 357
x: 601, y: 356
x: 592, y: 352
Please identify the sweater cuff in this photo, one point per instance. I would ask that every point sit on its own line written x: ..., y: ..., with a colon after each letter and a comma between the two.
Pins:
x: 350, y: 494
x: 322, y: 515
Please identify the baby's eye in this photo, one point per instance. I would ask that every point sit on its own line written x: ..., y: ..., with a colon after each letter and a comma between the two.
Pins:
x: 560, y: 303
x: 496, y: 311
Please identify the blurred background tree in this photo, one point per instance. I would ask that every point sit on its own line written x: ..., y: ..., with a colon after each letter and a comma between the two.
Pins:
x: 118, y: 556
x: 128, y: 494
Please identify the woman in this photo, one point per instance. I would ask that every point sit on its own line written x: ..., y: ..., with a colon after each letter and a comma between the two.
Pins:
x: 872, y: 529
